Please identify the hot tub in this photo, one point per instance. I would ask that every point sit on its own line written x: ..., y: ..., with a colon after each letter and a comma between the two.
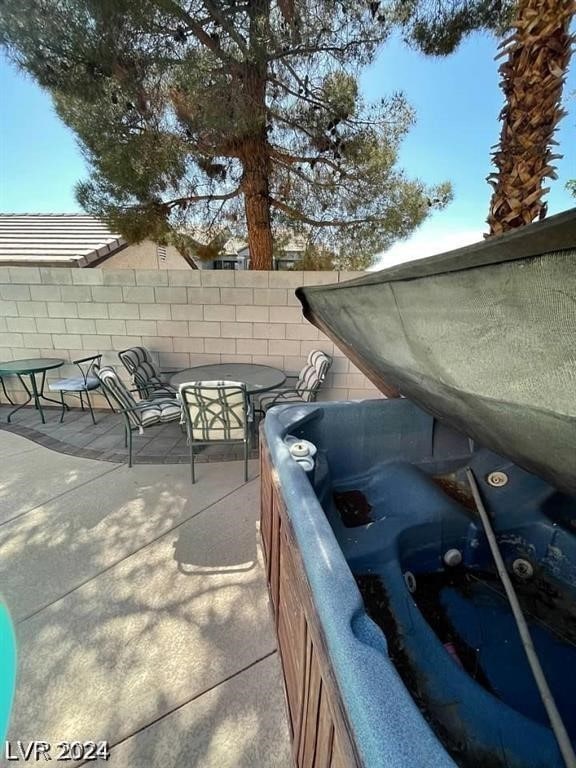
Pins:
x: 397, y: 644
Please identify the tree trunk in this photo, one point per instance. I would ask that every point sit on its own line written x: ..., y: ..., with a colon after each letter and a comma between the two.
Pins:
x: 533, y: 74
x: 255, y: 185
x: 255, y: 152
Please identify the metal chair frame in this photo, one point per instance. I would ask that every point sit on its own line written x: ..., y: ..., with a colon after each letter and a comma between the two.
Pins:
x: 92, y: 362
x: 126, y: 410
x: 130, y: 428
x: 211, y: 420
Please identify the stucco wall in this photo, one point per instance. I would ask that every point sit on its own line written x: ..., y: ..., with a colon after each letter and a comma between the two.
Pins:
x: 144, y: 255
x: 186, y: 317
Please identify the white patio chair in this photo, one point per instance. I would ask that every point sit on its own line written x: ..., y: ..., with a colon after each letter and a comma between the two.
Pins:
x: 215, y: 412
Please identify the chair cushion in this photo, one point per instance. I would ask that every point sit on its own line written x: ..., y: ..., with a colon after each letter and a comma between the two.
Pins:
x: 162, y: 393
x: 74, y: 384
x: 215, y: 410
x: 313, y: 374
x: 119, y: 393
x: 138, y: 361
x: 157, y: 411
x: 135, y: 357
x: 308, y: 380
x: 317, y: 357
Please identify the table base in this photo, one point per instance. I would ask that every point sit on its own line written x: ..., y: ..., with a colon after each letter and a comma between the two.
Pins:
x: 6, y: 395
x: 36, y: 395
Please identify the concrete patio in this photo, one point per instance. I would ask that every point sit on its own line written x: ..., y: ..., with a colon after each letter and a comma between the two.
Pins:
x: 141, y: 610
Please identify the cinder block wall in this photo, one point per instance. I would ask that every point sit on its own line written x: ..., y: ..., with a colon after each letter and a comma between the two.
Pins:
x: 186, y: 317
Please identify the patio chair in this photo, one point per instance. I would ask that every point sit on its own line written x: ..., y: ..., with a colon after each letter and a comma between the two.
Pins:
x: 215, y: 412
x: 78, y: 386
x: 307, y: 386
x: 137, y: 414
x: 147, y: 379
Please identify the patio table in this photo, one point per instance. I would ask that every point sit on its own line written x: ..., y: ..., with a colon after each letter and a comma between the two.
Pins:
x: 258, y: 378
x: 31, y: 367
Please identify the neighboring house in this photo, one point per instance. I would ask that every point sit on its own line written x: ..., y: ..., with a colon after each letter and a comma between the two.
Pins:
x: 236, y: 254
x: 77, y: 240
x: 290, y: 251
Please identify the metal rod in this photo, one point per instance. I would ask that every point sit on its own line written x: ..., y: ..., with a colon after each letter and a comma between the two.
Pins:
x: 558, y: 727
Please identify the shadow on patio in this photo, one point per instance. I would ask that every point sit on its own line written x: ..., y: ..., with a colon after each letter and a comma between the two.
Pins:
x: 142, y: 618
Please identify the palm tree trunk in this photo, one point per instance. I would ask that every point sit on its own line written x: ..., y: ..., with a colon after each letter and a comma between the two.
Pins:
x: 533, y: 74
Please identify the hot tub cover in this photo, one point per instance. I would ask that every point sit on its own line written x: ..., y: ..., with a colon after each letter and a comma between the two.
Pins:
x: 483, y: 337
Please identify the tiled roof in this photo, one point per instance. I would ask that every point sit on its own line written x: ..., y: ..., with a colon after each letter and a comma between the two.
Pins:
x: 63, y: 239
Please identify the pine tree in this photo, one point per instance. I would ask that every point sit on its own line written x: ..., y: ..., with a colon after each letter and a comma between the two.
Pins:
x: 195, y: 115
x: 437, y: 27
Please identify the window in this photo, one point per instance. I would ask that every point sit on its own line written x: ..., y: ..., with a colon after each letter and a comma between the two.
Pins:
x: 284, y: 264
x: 225, y: 264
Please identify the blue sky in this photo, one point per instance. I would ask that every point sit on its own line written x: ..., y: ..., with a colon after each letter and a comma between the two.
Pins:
x: 457, y: 102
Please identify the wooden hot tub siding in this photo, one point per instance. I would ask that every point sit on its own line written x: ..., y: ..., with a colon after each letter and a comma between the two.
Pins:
x: 318, y: 726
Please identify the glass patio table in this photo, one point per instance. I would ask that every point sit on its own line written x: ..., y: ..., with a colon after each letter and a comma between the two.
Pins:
x: 30, y: 368
x: 258, y: 378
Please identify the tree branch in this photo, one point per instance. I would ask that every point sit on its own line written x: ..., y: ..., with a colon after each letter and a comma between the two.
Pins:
x: 306, y: 51
x: 291, y: 159
x: 198, y: 31
x: 313, y: 182
x: 221, y: 19
x: 296, y: 126
x: 296, y: 214
x: 200, y: 198
x: 301, y: 96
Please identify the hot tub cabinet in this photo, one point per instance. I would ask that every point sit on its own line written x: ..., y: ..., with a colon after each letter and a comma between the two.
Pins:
x: 397, y: 652
x: 318, y: 724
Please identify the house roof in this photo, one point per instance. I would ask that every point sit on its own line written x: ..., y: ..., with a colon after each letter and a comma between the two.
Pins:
x: 55, y: 239
x: 291, y: 243
x: 233, y: 246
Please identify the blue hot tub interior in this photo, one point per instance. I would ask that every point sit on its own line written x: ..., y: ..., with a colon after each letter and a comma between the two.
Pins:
x: 389, y: 480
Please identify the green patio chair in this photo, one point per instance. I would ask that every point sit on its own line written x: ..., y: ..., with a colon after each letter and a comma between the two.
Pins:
x: 306, y: 387
x: 138, y: 415
x: 215, y: 412
x: 79, y: 386
x: 147, y: 379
